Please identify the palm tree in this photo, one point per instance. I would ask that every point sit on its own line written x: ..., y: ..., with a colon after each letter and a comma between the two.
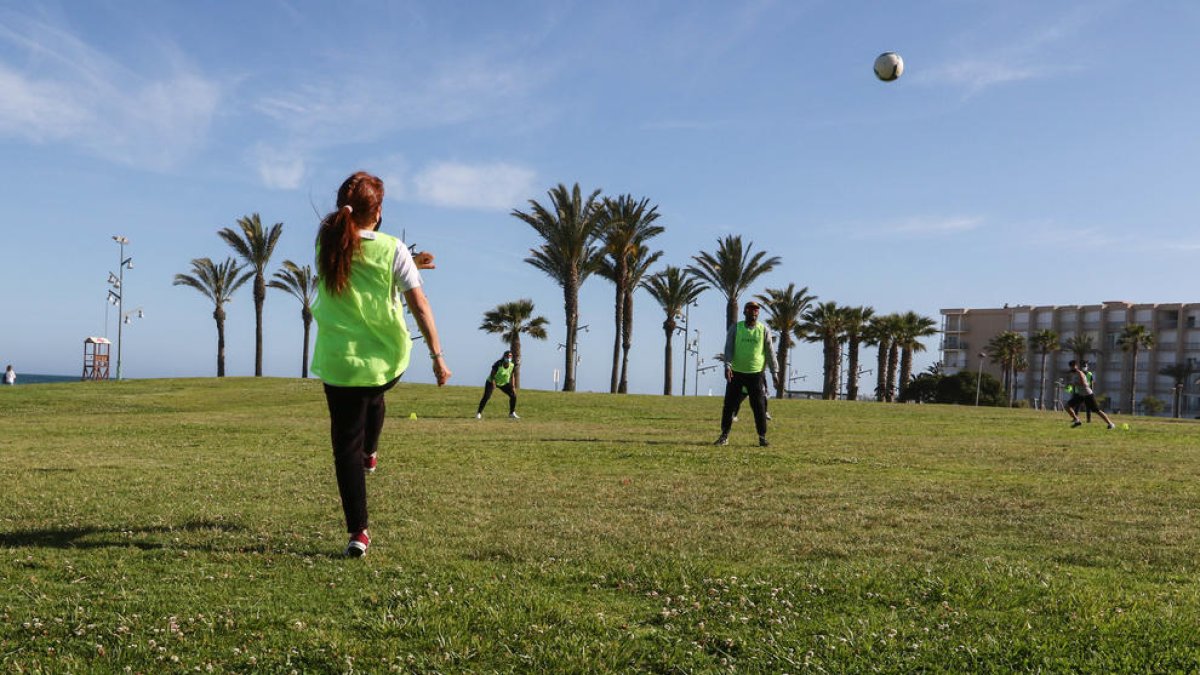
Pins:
x: 639, y: 264
x: 826, y: 323
x: 1080, y: 345
x: 302, y: 284
x: 627, y: 225
x: 254, y: 246
x: 785, y: 311
x: 731, y: 271
x: 510, y: 320
x: 217, y: 283
x: 1181, y: 373
x: 1007, y: 350
x: 857, y: 320
x: 881, y: 332
x: 913, y: 327
x: 1134, y: 338
x: 1044, y: 341
x: 568, y: 254
x: 673, y: 289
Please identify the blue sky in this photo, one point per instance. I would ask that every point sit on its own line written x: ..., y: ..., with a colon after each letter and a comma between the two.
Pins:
x: 1032, y: 152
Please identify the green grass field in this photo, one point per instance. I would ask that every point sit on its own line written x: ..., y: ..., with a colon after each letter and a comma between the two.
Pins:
x: 184, y: 525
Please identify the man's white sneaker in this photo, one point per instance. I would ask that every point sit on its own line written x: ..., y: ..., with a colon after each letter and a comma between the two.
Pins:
x: 514, y: 415
x: 478, y: 416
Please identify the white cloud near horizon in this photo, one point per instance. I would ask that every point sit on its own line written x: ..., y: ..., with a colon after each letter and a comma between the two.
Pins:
x: 69, y: 92
x: 497, y: 186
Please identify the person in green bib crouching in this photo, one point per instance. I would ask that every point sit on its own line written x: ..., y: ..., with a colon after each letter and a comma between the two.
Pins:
x: 748, y: 349
x: 363, y: 345
x: 500, y: 378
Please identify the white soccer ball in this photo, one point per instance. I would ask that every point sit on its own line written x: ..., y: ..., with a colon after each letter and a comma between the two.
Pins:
x: 888, y: 66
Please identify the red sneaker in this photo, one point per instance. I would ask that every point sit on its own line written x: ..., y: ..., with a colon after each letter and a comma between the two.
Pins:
x: 357, y: 547
x: 369, y: 463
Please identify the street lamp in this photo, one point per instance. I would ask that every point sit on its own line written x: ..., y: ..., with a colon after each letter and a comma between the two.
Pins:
x: 687, y: 312
x: 705, y: 369
x: 116, y: 294
x: 979, y: 378
x: 694, y: 348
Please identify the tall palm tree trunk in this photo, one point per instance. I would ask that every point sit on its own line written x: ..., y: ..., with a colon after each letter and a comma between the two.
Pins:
x: 618, y: 323
x: 1133, y: 352
x: 892, y: 362
x: 829, y: 385
x: 1042, y: 383
x: 626, y: 342
x: 906, y: 359
x: 881, y: 361
x: 219, y: 317
x: 782, y: 357
x: 514, y: 346
x: 669, y: 329
x: 852, y: 366
x: 307, y: 316
x: 571, y: 310
x: 260, y: 297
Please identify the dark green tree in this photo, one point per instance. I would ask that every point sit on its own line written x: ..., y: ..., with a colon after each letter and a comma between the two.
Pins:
x: 301, y: 283
x: 510, y: 320
x: 254, y: 245
x: 1134, y: 338
x: 731, y: 270
x: 627, y: 225
x: 217, y: 282
x: 570, y: 229
x: 673, y: 289
x: 785, y: 308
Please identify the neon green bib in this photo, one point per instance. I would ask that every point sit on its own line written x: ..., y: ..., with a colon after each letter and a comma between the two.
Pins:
x: 748, y: 348
x: 362, y: 339
x: 503, y: 375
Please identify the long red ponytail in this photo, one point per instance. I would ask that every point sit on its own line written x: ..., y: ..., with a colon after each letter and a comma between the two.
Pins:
x: 358, y: 201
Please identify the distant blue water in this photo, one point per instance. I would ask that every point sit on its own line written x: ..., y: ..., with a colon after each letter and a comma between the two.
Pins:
x: 33, y: 378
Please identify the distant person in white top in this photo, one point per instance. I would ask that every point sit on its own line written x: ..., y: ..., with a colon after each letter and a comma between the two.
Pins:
x: 1083, y: 396
x: 10, y: 376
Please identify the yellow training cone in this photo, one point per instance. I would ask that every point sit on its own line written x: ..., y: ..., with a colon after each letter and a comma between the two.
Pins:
x: 412, y: 416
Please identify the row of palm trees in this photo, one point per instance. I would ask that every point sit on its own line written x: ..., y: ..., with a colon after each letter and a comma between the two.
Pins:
x: 612, y: 237
x: 1009, y: 349
x: 253, y: 247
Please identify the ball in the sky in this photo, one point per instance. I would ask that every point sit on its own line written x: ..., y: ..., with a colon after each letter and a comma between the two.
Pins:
x: 888, y: 66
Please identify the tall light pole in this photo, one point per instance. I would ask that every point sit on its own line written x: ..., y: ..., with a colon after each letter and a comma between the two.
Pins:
x: 687, y: 313
x: 119, y: 295
x: 979, y: 378
x: 695, y: 349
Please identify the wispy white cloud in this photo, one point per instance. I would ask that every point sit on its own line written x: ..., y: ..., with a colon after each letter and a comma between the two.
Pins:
x: 67, y: 91
x: 278, y: 168
x: 917, y: 227
x: 1035, y: 54
x: 496, y: 186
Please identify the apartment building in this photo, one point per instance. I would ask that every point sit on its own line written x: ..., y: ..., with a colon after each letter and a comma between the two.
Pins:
x: 1175, y: 326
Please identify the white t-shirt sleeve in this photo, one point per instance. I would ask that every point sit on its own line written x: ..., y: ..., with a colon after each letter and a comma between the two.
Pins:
x: 404, y: 269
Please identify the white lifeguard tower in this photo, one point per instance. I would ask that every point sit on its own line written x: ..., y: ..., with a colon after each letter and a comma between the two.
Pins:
x: 95, y: 358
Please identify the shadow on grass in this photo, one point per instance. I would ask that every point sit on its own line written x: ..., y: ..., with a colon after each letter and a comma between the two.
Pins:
x: 135, y: 537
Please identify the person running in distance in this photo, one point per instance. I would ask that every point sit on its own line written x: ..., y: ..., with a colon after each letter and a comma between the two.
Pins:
x: 363, y: 345
x: 1091, y: 380
x: 1083, y: 395
x: 500, y: 378
x: 748, y: 348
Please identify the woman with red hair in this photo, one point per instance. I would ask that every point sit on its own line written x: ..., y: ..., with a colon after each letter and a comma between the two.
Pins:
x: 363, y: 345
